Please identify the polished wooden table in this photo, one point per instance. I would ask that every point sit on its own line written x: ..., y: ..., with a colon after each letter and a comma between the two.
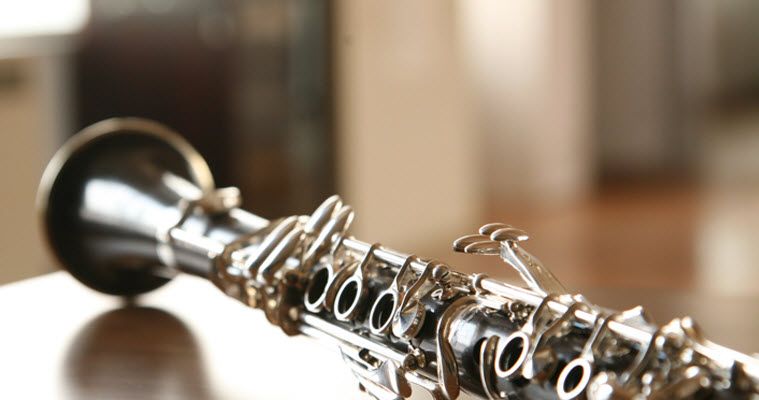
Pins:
x: 61, y: 340
x: 188, y: 341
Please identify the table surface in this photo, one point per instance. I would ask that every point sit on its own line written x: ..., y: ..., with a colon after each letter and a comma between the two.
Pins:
x: 188, y: 341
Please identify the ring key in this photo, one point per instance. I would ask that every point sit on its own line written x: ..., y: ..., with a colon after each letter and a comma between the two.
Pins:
x: 353, y: 291
x: 398, y: 303
x: 343, y: 272
x: 569, y: 384
x: 492, y: 355
x: 384, y: 308
x: 545, y: 362
x: 325, y: 278
x: 321, y: 279
x: 511, y: 353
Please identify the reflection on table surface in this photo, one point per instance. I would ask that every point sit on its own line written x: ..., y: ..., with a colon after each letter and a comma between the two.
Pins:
x: 185, y: 341
x: 188, y: 341
x: 121, y: 343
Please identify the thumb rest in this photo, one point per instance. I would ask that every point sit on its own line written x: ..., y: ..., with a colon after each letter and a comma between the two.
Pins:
x: 126, y: 204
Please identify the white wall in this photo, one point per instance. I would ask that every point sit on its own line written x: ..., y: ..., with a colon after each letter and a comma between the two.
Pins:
x: 529, y: 64
x: 33, y: 117
x: 407, y: 143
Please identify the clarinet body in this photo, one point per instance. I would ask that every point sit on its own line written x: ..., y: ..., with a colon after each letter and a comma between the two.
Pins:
x: 126, y: 204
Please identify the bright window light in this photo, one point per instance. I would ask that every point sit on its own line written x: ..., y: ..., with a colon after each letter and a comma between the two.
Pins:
x: 19, y: 18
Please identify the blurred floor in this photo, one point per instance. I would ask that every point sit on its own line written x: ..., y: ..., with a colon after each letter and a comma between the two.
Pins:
x: 651, y: 236
x: 624, y: 236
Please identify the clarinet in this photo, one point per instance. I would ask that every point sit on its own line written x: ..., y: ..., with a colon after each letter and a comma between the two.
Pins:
x: 127, y: 204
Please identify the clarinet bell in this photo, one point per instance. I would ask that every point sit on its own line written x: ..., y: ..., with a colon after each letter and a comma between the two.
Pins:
x: 109, y: 193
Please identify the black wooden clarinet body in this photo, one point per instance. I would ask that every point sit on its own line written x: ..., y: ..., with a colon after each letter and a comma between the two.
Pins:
x: 127, y: 204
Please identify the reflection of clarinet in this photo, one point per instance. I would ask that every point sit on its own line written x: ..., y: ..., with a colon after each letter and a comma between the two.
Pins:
x: 127, y: 203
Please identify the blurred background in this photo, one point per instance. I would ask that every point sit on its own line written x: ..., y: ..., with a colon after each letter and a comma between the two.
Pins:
x: 624, y: 136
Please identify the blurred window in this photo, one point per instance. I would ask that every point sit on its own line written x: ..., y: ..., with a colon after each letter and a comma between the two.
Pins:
x: 42, y: 17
